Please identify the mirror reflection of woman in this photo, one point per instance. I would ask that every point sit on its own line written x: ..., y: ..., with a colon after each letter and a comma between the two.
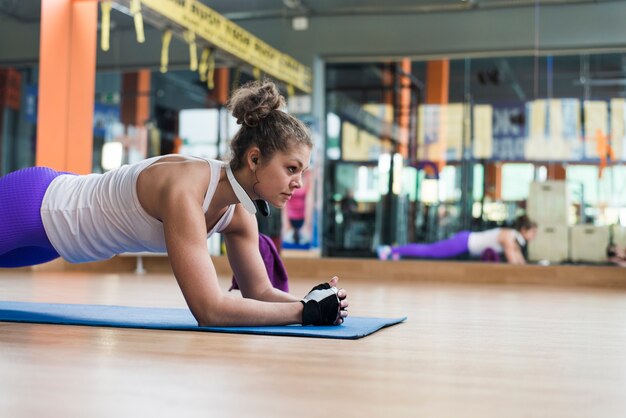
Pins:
x: 487, y: 245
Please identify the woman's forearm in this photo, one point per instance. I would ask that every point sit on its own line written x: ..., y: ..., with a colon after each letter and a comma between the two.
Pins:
x: 275, y: 295
x: 235, y: 311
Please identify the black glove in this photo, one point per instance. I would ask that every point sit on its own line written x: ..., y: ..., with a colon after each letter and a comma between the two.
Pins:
x: 321, y: 306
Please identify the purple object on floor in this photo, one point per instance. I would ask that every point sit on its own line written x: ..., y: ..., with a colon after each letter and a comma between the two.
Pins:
x: 490, y: 256
x: 273, y: 264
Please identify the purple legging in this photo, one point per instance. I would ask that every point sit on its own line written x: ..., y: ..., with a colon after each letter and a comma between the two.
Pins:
x: 23, y: 240
x: 451, y: 247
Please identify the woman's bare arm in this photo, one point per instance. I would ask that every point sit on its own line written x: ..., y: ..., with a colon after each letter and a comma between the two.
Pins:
x: 185, y: 235
x: 511, y: 248
x: 242, y: 245
x: 242, y: 248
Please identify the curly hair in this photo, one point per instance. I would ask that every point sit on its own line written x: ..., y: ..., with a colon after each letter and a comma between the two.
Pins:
x: 257, y: 107
x: 524, y: 222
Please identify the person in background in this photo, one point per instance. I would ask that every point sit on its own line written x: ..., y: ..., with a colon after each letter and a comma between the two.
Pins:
x: 488, y: 245
x: 296, y: 212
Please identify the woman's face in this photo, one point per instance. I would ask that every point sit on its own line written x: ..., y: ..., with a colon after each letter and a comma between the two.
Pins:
x: 282, y: 175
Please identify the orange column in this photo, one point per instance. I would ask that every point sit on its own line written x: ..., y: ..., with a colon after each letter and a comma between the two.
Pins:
x: 222, y: 86
x: 556, y: 171
x: 437, y: 89
x: 437, y: 81
x: 10, y: 88
x: 67, y: 63
x: 135, y: 109
x: 10, y: 95
x: 387, y: 79
x: 405, y: 107
x: 493, y: 180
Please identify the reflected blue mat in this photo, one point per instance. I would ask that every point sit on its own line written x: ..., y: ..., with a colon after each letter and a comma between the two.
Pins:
x: 173, y: 319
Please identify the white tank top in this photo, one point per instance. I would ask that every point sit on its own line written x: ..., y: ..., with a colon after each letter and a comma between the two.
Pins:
x: 96, y: 216
x: 480, y: 241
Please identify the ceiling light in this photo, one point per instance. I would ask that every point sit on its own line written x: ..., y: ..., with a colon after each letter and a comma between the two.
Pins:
x: 300, y: 23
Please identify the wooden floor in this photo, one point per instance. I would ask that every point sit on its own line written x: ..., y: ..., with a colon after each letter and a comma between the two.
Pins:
x: 481, y: 350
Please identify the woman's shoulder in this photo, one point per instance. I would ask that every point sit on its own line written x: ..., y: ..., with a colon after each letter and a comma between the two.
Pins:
x: 173, y: 177
x: 178, y: 169
x: 508, y: 234
x: 242, y: 223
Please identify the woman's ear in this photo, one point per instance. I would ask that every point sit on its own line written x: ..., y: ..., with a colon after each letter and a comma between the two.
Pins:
x: 253, y: 158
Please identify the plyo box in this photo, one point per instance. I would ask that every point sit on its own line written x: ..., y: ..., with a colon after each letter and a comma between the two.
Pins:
x: 589, y: 243
x: 548, y: 203
x: 551, y: 244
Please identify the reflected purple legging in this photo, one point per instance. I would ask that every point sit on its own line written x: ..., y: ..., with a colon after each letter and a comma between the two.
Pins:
x: 449, y: 248
x: 23, y: 240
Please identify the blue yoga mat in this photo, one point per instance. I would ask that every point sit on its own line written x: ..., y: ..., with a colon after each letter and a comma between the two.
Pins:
x: 173, y: 319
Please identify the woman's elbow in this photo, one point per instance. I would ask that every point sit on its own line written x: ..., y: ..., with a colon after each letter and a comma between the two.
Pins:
x: 258, y: 293
x: 208, y: 316
x: 209, y: 320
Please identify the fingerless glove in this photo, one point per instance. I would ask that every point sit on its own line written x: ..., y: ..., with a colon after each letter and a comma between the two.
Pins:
x: 321, y: 306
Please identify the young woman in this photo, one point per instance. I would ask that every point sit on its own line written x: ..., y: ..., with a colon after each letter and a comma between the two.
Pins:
x: 486, y: 244
x: 296, y: 211
x: 172, y: 203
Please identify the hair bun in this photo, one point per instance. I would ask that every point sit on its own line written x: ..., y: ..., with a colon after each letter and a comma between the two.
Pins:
x: 254, y: 101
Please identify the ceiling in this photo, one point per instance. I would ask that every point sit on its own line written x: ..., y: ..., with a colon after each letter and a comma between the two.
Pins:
x: 29, y: 10
x: 259, y: 9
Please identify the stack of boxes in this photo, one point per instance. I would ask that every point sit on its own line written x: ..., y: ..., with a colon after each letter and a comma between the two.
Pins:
x: 548, y: 204
x: 557, y: 241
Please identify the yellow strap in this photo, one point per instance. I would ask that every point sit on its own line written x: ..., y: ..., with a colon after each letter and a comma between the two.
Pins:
x: 290, y: 90
x: 256, y: 72
x: 135, y: 7
x: 211, y: 72
x: 166, y: 38
x: 190, y: 38
x: 141, y: 37
x: 203, y: 66
x: 105, y: 23
x: 135, y: 11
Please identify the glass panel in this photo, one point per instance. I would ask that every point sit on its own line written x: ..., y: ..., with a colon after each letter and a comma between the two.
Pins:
x: 516, y: 179
x: 508, y: 121
x: 355, y: 195
x: 333, y: 136
x: 479, y: 178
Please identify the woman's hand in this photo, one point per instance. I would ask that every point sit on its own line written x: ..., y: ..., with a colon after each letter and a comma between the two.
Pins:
x: 343, y: 303
x: 325, y: 305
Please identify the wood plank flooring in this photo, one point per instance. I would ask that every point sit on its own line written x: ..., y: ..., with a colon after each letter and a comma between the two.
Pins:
x: 467, y: 350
